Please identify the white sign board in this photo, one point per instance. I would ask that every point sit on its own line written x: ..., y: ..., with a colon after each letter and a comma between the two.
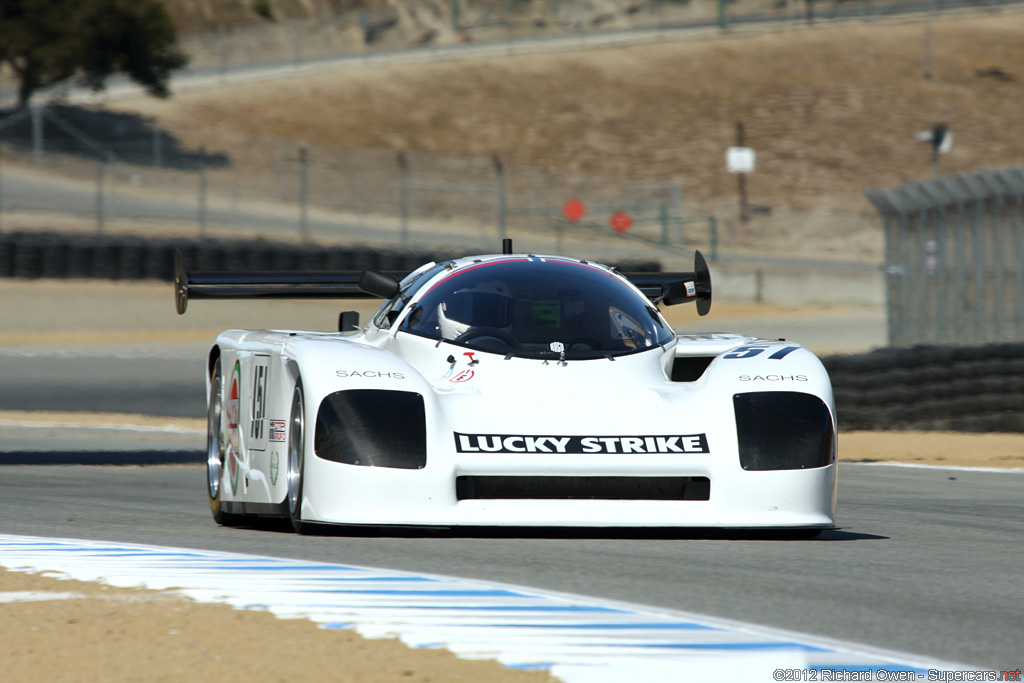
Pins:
x: 740, y: 160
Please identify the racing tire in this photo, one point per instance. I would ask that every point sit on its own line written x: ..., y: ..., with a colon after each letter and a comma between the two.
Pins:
x: 216, y: 440
x: 296, y: 460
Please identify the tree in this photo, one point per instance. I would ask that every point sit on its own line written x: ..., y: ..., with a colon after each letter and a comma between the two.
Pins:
x: 48, y: 41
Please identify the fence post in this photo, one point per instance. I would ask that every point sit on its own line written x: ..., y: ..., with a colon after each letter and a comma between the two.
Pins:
x: 403, y: 196
x: 297, y: 42
x: 663, y: 216
x: 713, y: 229
x: 499, y: 169
x: 958, y: 250
x: 535, y: 199
x: 222, y: 55
x: 896, y: 262
x: 508, y: 25
x: 158, y: 150
x: 101, y: 170
x: 303, y: 196
x: 361, y: 199
x: 944, y: 295
x: 1017, y: 238
x: 677, y: 208
x: 996, y: 222
x: 922, y: 309
x: 37, y: 136
x: 723, y: 16
x: 978, y: 250
x: 456, y: 16
x: 202, y: 193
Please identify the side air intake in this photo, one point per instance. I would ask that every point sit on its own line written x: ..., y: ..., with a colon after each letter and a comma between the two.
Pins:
x: 373, y: 428
x: 783, y: 430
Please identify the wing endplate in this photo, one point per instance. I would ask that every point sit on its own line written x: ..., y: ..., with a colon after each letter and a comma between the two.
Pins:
x: 677, y: 288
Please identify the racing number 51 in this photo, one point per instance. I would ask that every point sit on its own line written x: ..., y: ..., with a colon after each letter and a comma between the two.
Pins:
x: 751, y: 351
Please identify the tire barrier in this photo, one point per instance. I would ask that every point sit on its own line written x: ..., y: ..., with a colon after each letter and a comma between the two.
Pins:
x: 935, y: 388
x: 126, y: 257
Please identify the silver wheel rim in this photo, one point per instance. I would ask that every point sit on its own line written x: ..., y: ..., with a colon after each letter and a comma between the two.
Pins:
x: 214, y: 437
x: 295, y: 441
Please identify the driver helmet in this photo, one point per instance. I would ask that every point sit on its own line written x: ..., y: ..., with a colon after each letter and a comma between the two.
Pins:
x: 488, y: 304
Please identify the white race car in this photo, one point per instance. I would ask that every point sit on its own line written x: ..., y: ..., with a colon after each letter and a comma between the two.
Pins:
x: 513, y: 390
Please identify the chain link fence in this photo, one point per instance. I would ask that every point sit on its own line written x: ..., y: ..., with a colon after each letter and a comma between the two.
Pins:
x: 955, y: 258
x: 125, y: 175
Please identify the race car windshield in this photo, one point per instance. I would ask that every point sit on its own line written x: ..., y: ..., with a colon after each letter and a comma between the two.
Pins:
x: 537, y: 308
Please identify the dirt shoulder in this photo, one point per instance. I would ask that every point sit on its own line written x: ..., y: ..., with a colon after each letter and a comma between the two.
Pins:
x: 939, y: 449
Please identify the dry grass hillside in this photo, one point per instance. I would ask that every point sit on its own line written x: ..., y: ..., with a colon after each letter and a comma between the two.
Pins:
x: 830, y: 110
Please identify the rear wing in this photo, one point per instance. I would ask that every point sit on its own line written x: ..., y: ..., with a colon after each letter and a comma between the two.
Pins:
x: 667, y: 288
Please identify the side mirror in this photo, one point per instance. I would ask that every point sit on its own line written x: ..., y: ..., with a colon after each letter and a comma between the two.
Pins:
x: 348, y: 321
x: 378, y: 284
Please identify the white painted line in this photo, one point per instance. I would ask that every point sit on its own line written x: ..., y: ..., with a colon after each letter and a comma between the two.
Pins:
x: 578, y: 639
x: 37, y: 596
x: 135, y: 429
x: 955, y: 468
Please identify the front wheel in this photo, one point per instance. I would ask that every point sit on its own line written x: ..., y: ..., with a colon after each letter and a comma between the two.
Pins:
x: 296, y: 460
x: 216, y: 445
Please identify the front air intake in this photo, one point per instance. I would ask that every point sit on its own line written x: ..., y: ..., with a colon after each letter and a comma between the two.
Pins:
x: 373, y: 428
x: 783, y: 430
x: 582, y: 488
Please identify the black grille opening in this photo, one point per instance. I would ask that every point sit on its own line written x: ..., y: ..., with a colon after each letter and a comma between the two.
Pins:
x: 582, y: 488
x: 372, y: 427
x: 783, y: 430
x: 689, y: 368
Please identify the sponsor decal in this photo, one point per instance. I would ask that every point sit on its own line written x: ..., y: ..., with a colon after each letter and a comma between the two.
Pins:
x: 277, y: 430
x: 258, y: 408
x: 523, y: 443
x: 691, y: 288
x: 369, y: 374
x: 275, y: 466
x: 463, y: 376
x: 773, y: 378
x: 232, y: 446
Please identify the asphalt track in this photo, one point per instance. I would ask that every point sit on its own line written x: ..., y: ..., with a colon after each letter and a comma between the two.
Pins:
x: 927, y: 562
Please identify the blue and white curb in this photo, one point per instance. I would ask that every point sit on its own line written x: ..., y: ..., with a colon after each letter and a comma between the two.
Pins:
x: 575, y: 638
